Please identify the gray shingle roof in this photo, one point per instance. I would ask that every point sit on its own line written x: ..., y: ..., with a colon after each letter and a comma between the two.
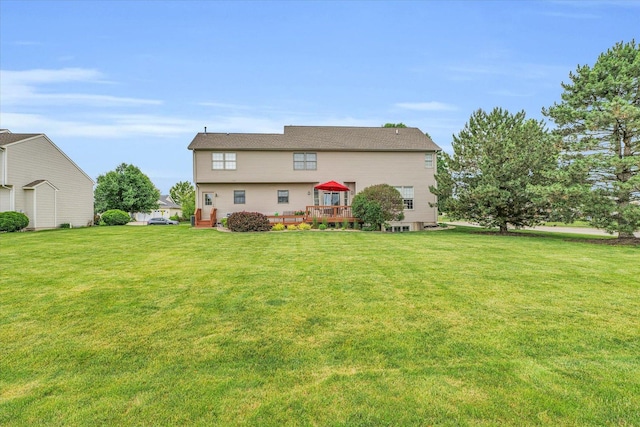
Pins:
x: 320, y: 138
x: 9, y: 138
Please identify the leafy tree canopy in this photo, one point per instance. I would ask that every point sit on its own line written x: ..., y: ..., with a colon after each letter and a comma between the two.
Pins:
x: 394, y: 125
x: 378, y: 204
x: 125, y: 188
x: 501, y: 164
x: 599, y: 122
x: 184, y: 194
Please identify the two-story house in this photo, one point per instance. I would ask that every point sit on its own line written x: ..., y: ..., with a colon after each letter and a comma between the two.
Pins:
x: 39, y: 180
x: 277, y: 173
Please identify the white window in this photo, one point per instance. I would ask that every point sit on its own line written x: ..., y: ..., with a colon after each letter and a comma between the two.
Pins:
x: 428, y: 160
x: 223, y: 161
x: 208, y: 199
x: 305, y: 161
x: 407, y: 196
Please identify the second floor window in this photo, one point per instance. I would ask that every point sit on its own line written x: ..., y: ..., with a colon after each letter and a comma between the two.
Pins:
x: 223, y: 161
x: 428, y: 160
x: 305, y: 161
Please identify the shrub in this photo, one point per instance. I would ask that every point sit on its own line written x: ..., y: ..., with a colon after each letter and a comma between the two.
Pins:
x: 13, y: 221
x: 378, y: 204
x: 304, y: 226
x: 115, y: 217
x: 175, y: 218
x: 292, y: 227
x: 315, y: 222
x: 248, y: 221
x: 322, y: 227
x: 325, y: 222
x: 345, y: 224
x: 223, y: 221
x: 278, y: 227
x: 356, y: 225
x: 65, y: 225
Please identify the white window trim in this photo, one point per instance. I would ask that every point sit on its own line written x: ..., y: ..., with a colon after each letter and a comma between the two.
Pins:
x: 227, y: 160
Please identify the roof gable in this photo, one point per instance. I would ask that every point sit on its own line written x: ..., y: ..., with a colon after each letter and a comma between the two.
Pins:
x: 7, y: 139
x: 320, y: 138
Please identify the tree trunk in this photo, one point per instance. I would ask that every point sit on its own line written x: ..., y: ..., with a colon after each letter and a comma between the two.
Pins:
x: 503, y: 229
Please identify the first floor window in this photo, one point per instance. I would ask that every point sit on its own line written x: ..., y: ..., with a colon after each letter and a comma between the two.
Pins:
x: 283, y: 196
x: 238, y: 197
x: 407, y: 196
x: 223, y: 161
x: 208, y: 199
x: 305, y: 161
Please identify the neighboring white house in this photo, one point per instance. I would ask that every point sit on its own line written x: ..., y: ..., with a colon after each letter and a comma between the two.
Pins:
x: 39, y: 180
x: 166, y: 209
x: 277, y: 173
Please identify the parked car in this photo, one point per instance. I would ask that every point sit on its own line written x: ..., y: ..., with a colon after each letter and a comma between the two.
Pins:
x: 162, y: 221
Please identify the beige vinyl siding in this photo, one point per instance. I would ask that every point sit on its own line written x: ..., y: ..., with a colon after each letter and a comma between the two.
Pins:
x: 262, y: 173
x: 38, y: 158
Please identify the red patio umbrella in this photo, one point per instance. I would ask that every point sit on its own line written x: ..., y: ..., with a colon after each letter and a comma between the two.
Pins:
x: 332, y: 186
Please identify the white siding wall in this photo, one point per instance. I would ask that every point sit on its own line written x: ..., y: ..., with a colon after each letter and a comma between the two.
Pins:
x: 38, y: 158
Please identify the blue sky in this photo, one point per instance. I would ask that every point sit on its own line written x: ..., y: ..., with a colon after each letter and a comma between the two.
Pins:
x: 134, y: 81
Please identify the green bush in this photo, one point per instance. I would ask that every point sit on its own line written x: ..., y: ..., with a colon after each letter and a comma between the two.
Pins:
x: 378, y: 204
x: 13, y: 221
x: 175, y: 218
x: 223, y: 221
x: 278, y: 227
x: 115, y: 217
x: 322, y: 227
x: 315, y: 222
x: 304, y: 226
x: 65, y: 225
x: 248, y: 221
x: 292, y: 227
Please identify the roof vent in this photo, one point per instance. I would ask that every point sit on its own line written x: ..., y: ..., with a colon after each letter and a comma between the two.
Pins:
x: 205, y: 129
x: 397, y: 132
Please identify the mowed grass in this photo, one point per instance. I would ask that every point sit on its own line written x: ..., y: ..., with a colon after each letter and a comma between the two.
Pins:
x: 181, y: 326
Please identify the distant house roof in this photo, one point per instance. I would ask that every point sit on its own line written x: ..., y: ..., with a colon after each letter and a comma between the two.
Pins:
x: 9, y: 138
x: 167, y: 202
x: 320, y: 138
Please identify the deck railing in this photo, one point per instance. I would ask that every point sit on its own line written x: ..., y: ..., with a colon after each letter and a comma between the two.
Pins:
x: 320, y: 213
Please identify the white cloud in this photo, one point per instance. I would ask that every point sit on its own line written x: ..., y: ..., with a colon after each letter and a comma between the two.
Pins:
x: 426, y: 106
x: 24, y: 88
x: 109, y: 126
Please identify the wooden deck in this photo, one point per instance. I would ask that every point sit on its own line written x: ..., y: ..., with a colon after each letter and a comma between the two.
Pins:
x: 332, y: 214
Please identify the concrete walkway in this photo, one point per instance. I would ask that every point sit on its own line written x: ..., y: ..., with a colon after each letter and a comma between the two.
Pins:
x: 570, y: 230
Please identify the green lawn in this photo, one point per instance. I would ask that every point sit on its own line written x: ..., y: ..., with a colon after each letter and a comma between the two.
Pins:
x: 181, y: 326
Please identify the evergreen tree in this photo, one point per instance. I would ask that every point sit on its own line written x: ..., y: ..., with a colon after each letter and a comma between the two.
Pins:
x: 599, y: 122
x: 501, y: 164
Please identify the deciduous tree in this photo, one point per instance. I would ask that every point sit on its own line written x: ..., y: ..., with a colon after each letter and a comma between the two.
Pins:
x: 599, y: 122
x: 501, y: 162
x: 184, y: 194
x: 125, y: 188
